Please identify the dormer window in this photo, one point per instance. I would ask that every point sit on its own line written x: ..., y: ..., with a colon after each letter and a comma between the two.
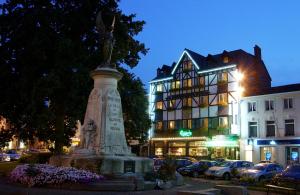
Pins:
x: 225, y: 59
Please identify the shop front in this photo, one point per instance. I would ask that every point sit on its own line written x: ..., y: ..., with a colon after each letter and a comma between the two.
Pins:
x: 192, y: 146
x: 224, y: 146
x: 283, y: 151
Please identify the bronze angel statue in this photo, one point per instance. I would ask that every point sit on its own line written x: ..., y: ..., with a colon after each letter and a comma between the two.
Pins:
x: 107, y: 40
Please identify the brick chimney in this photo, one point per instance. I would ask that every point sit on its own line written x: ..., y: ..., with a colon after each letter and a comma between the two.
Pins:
x: 257, y: 52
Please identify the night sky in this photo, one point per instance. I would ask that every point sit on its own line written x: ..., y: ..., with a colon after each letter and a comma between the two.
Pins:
x: 212, y: 26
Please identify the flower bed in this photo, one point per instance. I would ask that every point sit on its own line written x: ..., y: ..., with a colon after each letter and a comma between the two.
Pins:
x: 43, y: 174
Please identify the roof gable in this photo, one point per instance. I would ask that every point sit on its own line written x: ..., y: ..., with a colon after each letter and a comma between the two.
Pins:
x: 196, y: 59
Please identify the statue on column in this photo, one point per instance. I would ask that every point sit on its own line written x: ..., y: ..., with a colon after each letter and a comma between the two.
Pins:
x: 107, y: 41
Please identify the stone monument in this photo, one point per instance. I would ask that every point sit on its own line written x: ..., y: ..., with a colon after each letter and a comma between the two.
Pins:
x: 102, y: 137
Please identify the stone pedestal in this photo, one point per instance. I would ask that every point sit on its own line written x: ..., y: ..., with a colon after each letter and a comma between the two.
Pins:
x: 103, y: 146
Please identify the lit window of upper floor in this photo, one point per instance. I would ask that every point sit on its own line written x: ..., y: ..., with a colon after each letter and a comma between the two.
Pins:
x: 223, y: 121
x: 187, y: 102
x: 175, y: 84
x: 251, y: 106
x: 187, y: 65
x: 159, y: 105
x: 159, y: 88
x: 222, y: 99
x: 222, y: 77
x: 171, y: 104
x: 201, y: 81
x: 187, y: 83
x: 159, y: 125
x: 171, y: 125
x: 288, y: 103
x: 226, y: 59
x: 269, y: 105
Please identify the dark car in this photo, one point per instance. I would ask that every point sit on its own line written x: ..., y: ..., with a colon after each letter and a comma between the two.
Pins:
x: 290, y: 177
x: 197, y: 168
x: 182, y: 163
x: 262, y: 171
x: 13, y: 154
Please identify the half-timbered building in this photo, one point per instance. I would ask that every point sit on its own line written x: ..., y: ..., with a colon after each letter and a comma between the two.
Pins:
x: 194, y: 104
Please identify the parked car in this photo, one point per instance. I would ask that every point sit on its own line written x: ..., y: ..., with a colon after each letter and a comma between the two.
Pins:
x: 196, y: 168
x: 228, y: 169
x: 182, y: 163
x: 262, y: 171
x: 290, y: 177
x: 13, y: 155
x: 4, y: 157
x: 190, y: 158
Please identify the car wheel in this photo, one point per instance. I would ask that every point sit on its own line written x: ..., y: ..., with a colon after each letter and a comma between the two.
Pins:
x: 195, y: 174
x: 226, y: 176
x: 261, y: 178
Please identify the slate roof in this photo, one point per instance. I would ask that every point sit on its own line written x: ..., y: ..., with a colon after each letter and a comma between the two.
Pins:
x: 280, y: 89
x: 214, y: 61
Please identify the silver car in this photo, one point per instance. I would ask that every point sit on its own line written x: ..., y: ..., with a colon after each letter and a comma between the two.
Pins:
x: 228, y: 169
x: 262, y: 171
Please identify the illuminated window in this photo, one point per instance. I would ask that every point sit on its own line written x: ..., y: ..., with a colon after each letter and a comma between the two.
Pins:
x: 159, y: 105
x: 187, y: 102
x: 288, y: 103
x: 187, y: 65
x: 223, y: 121
x: 269, y: 104
x: 159, y: 125
x: 222, y: 76
x: 171, y: 125
x: 187, y: 83
x: 177, y: 84
x: 201, y: 81
x: 251, y: 106
x: 186, y: 113
x: 222, y: 98
x: 226, y: 59
x: 159, y: 88
x: 172, y: 103
x: 203, y: 101
x: 203, y: 122
x: 187, y: 124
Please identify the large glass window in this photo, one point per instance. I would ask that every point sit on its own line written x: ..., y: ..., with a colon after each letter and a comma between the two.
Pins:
x: 177, y: 148
x: 289, y: 127
x: 268, y: 153
x: 159, y: 148
x: 251, y: 106
x: 252, y: 129
x: 269, y: 105
x: 288, y: 103
x: 175, y: 85
x: 270, y: 126
x: 223, y: 121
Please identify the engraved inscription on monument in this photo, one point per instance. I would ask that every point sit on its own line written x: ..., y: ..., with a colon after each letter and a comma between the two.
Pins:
x: 114, y: 113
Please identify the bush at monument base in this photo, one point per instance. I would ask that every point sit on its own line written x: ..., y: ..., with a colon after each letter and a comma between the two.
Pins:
x: 42, y: 174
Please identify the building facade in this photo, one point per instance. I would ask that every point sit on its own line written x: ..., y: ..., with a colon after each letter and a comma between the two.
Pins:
x: 194, y: 104
x: 271, y: 125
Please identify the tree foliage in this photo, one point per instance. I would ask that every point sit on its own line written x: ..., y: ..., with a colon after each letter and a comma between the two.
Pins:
x: 48, y: 48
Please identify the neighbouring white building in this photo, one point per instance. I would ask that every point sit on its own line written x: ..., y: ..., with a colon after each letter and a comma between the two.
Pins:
x: 270, y: 125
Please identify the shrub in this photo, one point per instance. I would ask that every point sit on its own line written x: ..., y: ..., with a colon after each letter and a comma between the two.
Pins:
x: 167, y: 170
x: 247, y: 180
x: 151, y: 176
x: 36, y: 158
x: 42, y: 174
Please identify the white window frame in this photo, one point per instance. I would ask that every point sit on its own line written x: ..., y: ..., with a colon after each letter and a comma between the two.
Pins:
x: 289, y: 100
x: 251, y: 106
x: 269, y: 105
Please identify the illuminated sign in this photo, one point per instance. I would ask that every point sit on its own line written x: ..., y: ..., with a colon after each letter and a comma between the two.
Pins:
x: 223, y: 141
x: 294, y: 155
x: 185, y: 133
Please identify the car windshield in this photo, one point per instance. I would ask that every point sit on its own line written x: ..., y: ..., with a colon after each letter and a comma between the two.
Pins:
x: 259, y: 167
x: 295, y: 168
x: 225, y: 164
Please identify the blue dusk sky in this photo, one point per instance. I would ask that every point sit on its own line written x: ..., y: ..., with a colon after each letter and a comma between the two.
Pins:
x: 211, y: 26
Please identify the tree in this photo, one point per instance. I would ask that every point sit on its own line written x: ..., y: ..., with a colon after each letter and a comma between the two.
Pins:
x: 47, y: 49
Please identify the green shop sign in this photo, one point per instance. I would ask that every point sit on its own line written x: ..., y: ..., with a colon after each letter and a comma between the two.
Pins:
x: 185, y: 133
